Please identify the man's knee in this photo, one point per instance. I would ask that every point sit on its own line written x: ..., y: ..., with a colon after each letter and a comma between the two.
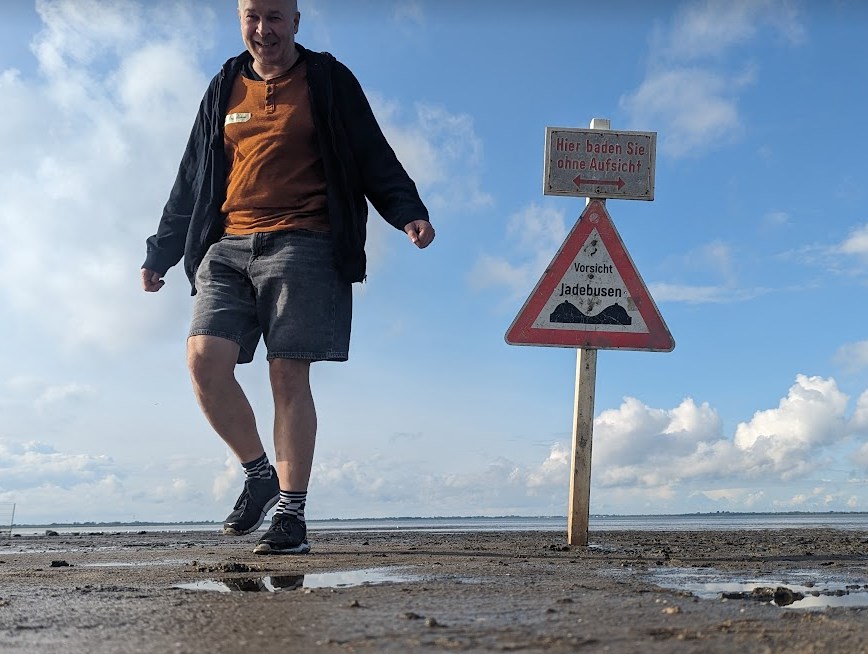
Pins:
x: 289, y: 376
x: 209, y: 358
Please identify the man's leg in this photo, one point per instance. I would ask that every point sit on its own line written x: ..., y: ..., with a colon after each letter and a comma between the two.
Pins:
x: 294, y: 422
x: 211, y: 361
x: 294, y: 440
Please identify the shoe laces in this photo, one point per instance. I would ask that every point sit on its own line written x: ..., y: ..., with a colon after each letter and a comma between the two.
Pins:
x: 242, y: 499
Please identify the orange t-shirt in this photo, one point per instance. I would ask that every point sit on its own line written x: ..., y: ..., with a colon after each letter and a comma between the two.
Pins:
x: 275, y: 176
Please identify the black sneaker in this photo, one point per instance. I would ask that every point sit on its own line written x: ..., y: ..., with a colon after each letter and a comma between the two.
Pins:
x: 286, y: 535
x: 257, y: 499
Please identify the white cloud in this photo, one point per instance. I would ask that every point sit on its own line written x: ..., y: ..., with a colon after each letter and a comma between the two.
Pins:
x: 640, y: 446
x: 789, y: 440
x: 857, y: 242
x: 553, y: 472
x: 88, y: 171
x: 533, y: 234
x: 694, y: 106
x: 713, y: 27
x: 440, y: 151
x: 692, y: 109
x: 33, y: 463
x: 228, y: 480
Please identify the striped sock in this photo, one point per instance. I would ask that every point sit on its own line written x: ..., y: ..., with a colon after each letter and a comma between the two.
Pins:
x: 292, y: 504
x: 258, y: 469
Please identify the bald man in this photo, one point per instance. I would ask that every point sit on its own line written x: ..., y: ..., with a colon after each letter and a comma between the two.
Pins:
x: 268, y: 212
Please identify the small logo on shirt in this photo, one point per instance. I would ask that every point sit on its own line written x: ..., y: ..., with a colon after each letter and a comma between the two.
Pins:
x: 237, y: 118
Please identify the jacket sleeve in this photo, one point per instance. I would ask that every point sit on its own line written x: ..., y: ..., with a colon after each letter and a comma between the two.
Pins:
x: 166, y: 247
x: 385, y: 182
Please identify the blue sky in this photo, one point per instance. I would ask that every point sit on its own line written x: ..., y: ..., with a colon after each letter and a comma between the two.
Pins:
x: 755, y: 250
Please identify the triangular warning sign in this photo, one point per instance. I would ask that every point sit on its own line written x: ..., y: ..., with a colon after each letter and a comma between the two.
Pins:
x: 591, y: 296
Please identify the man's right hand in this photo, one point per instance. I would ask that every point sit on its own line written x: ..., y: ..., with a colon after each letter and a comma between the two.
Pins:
x: 152, y: 281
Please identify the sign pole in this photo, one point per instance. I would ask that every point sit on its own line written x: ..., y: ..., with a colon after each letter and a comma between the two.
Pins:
x: 583, y: 428
x: 583, y: 433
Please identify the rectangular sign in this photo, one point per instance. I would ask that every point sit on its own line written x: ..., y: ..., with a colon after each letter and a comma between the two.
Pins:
x: 593, y: 163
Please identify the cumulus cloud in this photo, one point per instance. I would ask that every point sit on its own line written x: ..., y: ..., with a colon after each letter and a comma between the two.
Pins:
x: 787, y: 440
x: 639, y: 446
x: 643, y: 457
x: 227, y: 480
x: 90, y: 133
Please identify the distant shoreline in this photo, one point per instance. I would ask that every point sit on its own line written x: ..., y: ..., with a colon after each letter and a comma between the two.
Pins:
x: 625, y: 516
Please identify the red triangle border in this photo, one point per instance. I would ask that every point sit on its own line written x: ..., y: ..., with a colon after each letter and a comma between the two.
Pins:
x: 522, y: 332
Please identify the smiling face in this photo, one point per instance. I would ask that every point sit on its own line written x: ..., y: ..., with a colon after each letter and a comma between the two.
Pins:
x: 268, y: 28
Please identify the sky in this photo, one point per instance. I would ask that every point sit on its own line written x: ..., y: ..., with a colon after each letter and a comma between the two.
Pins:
x: 755, y: 250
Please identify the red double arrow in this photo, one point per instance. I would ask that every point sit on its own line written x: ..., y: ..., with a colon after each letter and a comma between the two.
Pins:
x: 601, y: 182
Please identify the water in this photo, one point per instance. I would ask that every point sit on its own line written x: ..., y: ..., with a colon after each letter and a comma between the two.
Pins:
x: 689, y: 522
x: 282, y: 583
x: 800, y: 589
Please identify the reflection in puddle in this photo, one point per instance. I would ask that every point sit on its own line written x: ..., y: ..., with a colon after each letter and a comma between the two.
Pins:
x: 278, y: 583
x: 132, y: 564
x: 806, y: 593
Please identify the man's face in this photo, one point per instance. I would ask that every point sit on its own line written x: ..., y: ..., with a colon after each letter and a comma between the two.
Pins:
x: 268, y: 28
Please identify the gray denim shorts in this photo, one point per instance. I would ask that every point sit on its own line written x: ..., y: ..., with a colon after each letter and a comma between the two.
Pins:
x: 282, y: 286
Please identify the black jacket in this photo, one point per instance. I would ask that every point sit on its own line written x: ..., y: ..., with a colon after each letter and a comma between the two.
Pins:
x: 357, y: 160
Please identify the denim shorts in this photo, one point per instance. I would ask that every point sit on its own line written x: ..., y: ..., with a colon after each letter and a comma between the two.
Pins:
x: 282, y: 286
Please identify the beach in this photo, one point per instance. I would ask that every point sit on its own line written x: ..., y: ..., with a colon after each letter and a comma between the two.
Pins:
x: 418, y: 591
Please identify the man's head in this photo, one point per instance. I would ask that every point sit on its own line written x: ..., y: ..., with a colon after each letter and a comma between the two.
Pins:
x: 268, y: 28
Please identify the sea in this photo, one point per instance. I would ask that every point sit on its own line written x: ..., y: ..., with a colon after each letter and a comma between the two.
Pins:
x: 684, y: 522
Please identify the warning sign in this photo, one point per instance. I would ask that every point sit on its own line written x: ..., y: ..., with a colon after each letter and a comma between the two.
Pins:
x: 591, y: 295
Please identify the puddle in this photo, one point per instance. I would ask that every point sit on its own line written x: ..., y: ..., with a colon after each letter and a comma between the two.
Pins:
x: 133, y: 564
x: 798, y: 590
x: 279, y: 583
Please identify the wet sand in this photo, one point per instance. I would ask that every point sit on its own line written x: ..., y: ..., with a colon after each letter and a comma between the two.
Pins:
x: 465, y: 592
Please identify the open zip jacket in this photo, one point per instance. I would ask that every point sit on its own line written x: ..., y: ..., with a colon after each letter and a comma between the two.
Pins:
x: 358, y: 162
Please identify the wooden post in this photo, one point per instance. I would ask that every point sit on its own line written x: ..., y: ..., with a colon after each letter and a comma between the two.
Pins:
x: 583, y: 433
x: 583, y: 430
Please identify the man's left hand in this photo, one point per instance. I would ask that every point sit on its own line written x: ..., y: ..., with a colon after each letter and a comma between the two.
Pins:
x: 421, y: 233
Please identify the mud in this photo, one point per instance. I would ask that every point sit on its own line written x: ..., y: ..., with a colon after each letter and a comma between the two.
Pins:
x: 430, y: 592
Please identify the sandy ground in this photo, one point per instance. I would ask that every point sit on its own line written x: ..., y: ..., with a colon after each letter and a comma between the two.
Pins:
x: 470, y: 592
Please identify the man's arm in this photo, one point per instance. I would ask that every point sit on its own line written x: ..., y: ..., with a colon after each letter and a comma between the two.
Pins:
x: 166, y: 247
x: 385, y: 181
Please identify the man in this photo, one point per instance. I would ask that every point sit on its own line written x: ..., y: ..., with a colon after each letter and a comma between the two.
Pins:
x: 268, y: 212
